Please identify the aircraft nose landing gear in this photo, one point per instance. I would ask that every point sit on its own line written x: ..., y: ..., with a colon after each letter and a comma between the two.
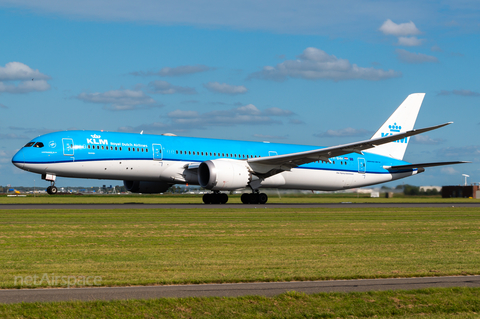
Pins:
x: 52, y: 190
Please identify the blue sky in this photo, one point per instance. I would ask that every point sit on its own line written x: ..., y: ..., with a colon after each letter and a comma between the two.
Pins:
x: 303, y: 72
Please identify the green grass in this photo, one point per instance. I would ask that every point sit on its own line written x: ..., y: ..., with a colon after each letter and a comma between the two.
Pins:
x: 425, y: 303
x: 235, y: 199
x: 147, y: 246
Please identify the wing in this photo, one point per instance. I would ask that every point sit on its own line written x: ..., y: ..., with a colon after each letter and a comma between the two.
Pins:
x: 268, y: 166
x: 422, y: 165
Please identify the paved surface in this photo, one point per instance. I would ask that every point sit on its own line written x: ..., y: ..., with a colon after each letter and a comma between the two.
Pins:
x: 232, y: 290
x: 230, y: 206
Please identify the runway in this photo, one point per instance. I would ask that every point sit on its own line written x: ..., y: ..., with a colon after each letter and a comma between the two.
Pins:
x: 233, y: 206
x: 231, y: 290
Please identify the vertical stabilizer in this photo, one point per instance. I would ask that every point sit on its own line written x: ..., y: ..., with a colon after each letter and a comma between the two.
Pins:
x: 402, y: 120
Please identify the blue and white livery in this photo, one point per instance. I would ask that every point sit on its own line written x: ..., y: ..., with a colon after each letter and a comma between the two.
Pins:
x: 153, y: 163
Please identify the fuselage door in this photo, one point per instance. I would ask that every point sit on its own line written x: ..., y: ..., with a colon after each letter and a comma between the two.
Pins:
x: 67, y: 146
x: 157, y: 152
x: 362, y: 166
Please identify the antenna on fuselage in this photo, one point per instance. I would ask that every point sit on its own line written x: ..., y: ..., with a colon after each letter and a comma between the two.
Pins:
x: 141, y: 132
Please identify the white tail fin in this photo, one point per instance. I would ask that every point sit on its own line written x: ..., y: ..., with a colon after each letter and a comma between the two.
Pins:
x: 402, y: 120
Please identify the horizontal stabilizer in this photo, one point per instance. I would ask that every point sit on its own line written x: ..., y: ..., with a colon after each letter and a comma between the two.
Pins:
x: 421, y: 165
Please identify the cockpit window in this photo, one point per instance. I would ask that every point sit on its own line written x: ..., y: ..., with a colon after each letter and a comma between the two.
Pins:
x: 38, y: 144
x: 29, y: 144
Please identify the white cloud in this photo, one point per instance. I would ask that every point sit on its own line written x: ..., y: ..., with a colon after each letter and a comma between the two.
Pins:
x: 278, y: 112
x: 410, y: 57
x: 180, y: 120
x: 314, y: 64
x: 183, y: 114
x: 427, y: 140
x: 118, y: 100
x: 403, y: 29
x: 346, y: 132
x: 25, y: 87
x: 463, y: 153
x: 176, y: 71
x: 225, y: 88
x: 163, y: 87
x: 460, y: 92
x: 295, y: 121
x: 13, y: 136
x: 449, y: 170
x: 18, y: 78
x: 269, y: 137
x: 332, y: 18
x: 17, y: 71
x: 410, y: 41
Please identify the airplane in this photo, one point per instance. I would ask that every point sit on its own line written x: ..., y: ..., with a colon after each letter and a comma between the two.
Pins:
x: 150, y: 163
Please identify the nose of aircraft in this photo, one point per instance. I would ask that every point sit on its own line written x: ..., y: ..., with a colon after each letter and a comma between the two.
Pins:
x: 19, y: 159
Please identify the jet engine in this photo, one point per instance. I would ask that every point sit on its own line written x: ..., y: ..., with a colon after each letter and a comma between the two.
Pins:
x: 146, y: 187
x: 224, y: 174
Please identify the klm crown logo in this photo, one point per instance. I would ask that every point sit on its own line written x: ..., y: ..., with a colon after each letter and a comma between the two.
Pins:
x: 95, y: 136
x: 395, y: 128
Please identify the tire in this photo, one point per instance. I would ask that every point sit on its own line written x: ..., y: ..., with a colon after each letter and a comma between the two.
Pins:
x: 207, y: 198
x: 245, y: 198
x: 262, y: 198
x: 254, y: 198
x: 54, y: 190
x: 223, y: 198
x: 49, y: 190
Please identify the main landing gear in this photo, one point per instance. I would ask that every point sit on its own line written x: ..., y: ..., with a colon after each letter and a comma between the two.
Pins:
x: 254, y: 198
x: 215, y: 198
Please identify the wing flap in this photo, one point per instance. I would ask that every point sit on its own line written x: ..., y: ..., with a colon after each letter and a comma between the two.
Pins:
x: 422, y: 165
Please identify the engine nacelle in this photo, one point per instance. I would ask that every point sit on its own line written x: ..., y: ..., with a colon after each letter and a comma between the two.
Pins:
x: 146, y: 187
x: 224, y: 174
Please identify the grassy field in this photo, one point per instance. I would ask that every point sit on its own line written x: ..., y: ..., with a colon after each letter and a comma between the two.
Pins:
x: 141, y: 247
x: 426, y: 303
x: 197, y: 199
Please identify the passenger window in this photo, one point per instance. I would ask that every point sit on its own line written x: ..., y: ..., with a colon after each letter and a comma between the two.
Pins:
x: 120, y: 148
x: 176, y: 152
x: 146, y: 150
x: 103, y: 147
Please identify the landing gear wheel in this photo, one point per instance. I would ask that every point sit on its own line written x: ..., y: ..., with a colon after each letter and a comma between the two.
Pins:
x: 207, y: 198
x: 215, y: 198
x: 254, y: 198
x: 223, y: 198
x: 52, y: 190
x: 262, y: 198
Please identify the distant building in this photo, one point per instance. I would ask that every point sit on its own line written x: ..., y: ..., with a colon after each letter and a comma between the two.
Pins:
x: 426, y: 188
x: 472, y: 191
